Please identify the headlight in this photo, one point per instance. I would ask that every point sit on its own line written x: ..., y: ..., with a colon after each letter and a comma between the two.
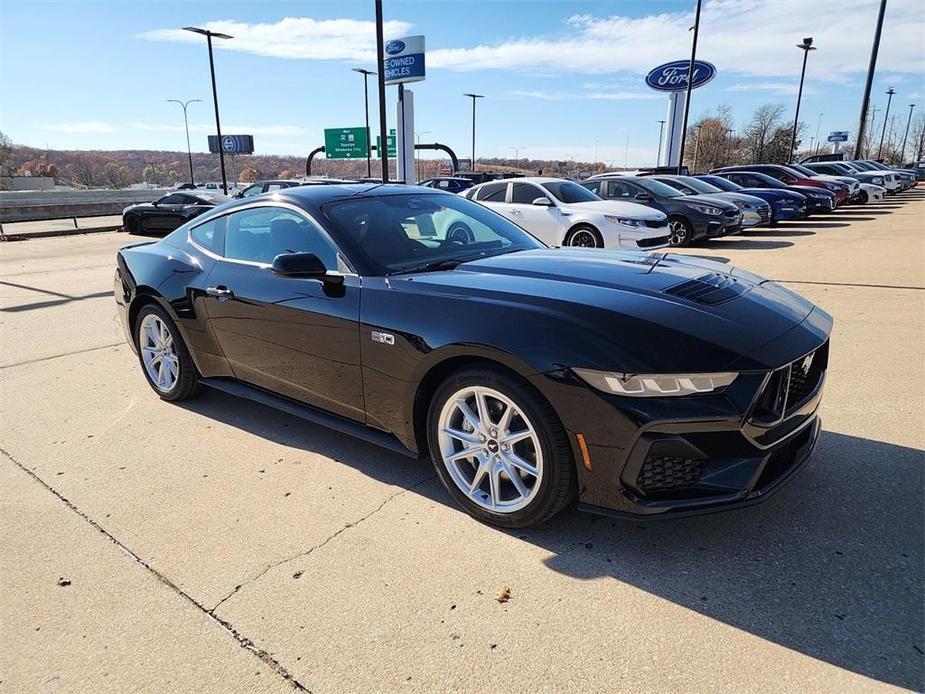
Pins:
x: 740, y: 204
x: 624, y: 221
x: 655, y: 385
x: 818, y: 196
x: 830, y: 186
x: 877, y: 180
x: 706, y: 209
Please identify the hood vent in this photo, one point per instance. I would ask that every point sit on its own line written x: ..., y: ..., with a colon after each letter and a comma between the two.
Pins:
x: 711, y: 289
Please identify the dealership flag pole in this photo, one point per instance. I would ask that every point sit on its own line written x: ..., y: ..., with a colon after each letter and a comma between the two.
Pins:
x: 383, y: 128
x: 690, y: 80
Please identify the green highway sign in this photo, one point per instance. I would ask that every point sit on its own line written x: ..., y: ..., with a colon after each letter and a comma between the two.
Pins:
x: 391, y: 140
x: 345, y: 143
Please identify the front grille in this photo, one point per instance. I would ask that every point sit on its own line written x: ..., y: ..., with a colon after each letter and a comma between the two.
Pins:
x: 764, y: 213
x: 712, y: 288
x: 656, y: 223
x: 790, y: 386
x: 665, y: 473
x: 654, y: 241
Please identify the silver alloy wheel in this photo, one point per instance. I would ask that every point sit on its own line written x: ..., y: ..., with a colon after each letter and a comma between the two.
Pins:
x: 583, y: 238
x: 490, y: 449
x: 678, y: 232
x: 158, y: 353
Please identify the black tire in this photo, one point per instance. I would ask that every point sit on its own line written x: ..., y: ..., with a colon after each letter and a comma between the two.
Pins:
x: 681, y: 231
x: 584, y: 236
x: 132, y: 225
x: 187, y: 383
x: 864, y: 198
x: 557, y: 485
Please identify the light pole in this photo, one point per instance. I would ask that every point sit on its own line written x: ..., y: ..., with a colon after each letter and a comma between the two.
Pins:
x: 474, y: 97
x: 366, y: 74
x: 516, y: 153
x: 902, y: 154
x: 418, y: 141
x: 218, y: 125
x: 661, y: 128
x: 890, y: 92
x: 865, y: 102
x: 697, y: 146
x: 690, y: 79
x: 818, y: 125
x: 380, y: 61
x: 189, y: 152
x: 729, y: 131
x: 806, y: 47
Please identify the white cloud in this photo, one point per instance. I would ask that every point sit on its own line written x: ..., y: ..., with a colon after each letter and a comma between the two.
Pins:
x: 232, y: 128
x: 752, y: 37
x: 777, y: 88
x: 600, y: 96
x: 293, y: 37
x: 93, y: 126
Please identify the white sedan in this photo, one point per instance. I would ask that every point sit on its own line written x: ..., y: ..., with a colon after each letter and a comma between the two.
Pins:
x: 563, y: 213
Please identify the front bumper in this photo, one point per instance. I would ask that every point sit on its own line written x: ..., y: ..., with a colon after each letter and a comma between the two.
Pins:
x: 669, y: 457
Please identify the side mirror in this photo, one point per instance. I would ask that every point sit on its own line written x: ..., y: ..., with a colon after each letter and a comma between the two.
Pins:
x: 238, y: 195
x: 304, y: 265
x: 644, y: 197
x: 543, y: 202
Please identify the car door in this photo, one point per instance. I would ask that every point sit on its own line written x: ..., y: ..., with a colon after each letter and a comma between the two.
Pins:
x: 545, y: 222
x: 292, y: 336
x: 165, y: 214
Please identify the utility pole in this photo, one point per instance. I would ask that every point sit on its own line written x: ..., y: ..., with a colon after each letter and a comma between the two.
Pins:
x: 890, y: 92
x: 690, y: 79
x: 865, y: 102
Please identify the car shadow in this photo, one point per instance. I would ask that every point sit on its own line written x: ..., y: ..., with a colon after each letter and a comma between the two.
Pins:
x: 841, y: 218
x: 833, y: 566
x: 740, y: 243
x: 778, y: 231
x: 822, y: 224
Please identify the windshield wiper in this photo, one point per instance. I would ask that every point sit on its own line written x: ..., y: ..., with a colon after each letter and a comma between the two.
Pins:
x: 437, y: 265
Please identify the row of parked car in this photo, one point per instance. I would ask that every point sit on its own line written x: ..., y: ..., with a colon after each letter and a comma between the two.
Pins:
x: 631, y: 211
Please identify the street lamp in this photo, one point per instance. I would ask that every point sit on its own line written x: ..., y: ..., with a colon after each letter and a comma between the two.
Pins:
x: 890, y: 92
x: 661, y: 128
x: 902, y: 155
x: 418, y: 141
x: 516, y: 153
x: 474, y: 97
x: 818, y: 125
x: 806, y: 47
x: 366, y: 74
x: 218, y: 125
x: 189, y: 152
x: 697, y: 146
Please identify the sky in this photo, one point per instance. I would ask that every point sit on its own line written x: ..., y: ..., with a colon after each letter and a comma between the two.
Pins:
x: 562, y: 78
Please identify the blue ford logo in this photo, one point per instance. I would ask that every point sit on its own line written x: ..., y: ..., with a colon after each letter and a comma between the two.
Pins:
x: 393, y: 47
x: 672, y: 77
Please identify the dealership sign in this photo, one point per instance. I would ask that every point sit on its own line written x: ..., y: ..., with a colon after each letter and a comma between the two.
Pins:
x: 838, y: 136
x: 404, y: 60
x: 672, y: 77
x: 232, y: 144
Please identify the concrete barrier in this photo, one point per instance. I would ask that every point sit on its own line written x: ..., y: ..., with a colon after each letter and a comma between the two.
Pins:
x: 30, y: 206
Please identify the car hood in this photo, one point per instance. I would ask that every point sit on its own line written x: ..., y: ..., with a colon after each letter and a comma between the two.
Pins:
x: 632, y: 210
x: 635, y: 312
x: 774, y: 192
x: 711, y: 199
x: 731, y: 195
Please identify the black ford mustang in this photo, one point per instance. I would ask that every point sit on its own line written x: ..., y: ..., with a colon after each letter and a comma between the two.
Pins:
x: 169, y: 211
x: 649, y: 385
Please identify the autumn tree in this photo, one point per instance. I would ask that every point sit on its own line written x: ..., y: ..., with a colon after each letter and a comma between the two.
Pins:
x: 117, y: 175
x: 6, y: 155
x: 82, y: 170
x: 248, y: 175
x: 708, y: 143
x: 286, y: 173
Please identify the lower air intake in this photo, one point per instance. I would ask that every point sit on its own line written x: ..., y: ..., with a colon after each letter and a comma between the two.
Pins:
x: 666, y: 473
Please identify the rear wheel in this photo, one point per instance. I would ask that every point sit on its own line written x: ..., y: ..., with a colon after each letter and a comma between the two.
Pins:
x: 499, y: 449
x: 584, y: 236
x: 459, y: 232
x: 165, y: 361
x: 132, y: 225
x: 863, y: 198
x: 680, y: 231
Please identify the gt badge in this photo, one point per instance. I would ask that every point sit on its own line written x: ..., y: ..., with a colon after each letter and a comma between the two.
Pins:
x: 384, y: 338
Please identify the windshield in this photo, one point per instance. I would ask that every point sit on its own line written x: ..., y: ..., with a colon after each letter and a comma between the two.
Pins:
x: 406, y: 233
x: 803, y: 170
x: 770, y: 181
x: 567, y: 192
x: 699, y: 185
x: 721, y: 183
x: 657, y: 188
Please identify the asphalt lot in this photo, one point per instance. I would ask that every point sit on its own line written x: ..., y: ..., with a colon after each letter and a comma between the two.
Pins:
x: 222, y: 546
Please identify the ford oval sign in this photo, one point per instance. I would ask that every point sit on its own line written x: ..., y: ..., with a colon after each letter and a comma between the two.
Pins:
x: 672, y: 77
x: 393, y: 47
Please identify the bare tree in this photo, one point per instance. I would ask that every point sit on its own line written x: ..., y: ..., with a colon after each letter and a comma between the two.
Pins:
x: 82, y: 170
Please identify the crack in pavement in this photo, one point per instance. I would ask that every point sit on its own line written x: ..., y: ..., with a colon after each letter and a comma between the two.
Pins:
x: 305, y: 553
x: 243, y: 641
x: 65, y: 354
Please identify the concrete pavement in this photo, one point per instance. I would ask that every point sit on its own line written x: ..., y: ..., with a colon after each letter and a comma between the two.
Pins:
x: 222, y: 546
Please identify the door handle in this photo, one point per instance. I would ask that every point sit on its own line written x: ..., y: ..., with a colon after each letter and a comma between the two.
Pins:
x: 222, y: 292
x: 516, y: 211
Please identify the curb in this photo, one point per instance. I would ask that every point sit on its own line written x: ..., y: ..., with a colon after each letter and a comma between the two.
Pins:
x: 27, y: 235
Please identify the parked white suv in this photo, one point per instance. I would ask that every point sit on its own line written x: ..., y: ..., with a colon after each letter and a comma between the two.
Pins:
x: 563, y: 213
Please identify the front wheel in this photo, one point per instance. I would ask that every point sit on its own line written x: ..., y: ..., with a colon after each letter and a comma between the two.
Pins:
x: 499, y: 449
x: 584, y: 236
x: 680, y: 231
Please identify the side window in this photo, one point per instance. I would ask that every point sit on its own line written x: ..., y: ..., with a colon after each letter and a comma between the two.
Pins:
x: 492, y: 192
x: 525, y: 194
x: 274, y: 186
x: 252, y: 190
x: 618, y: 189
x: 210, y: 235
x: 172, y: 199
x: 442, y: 185
x: 593, y: 186
x: 260, y: 234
